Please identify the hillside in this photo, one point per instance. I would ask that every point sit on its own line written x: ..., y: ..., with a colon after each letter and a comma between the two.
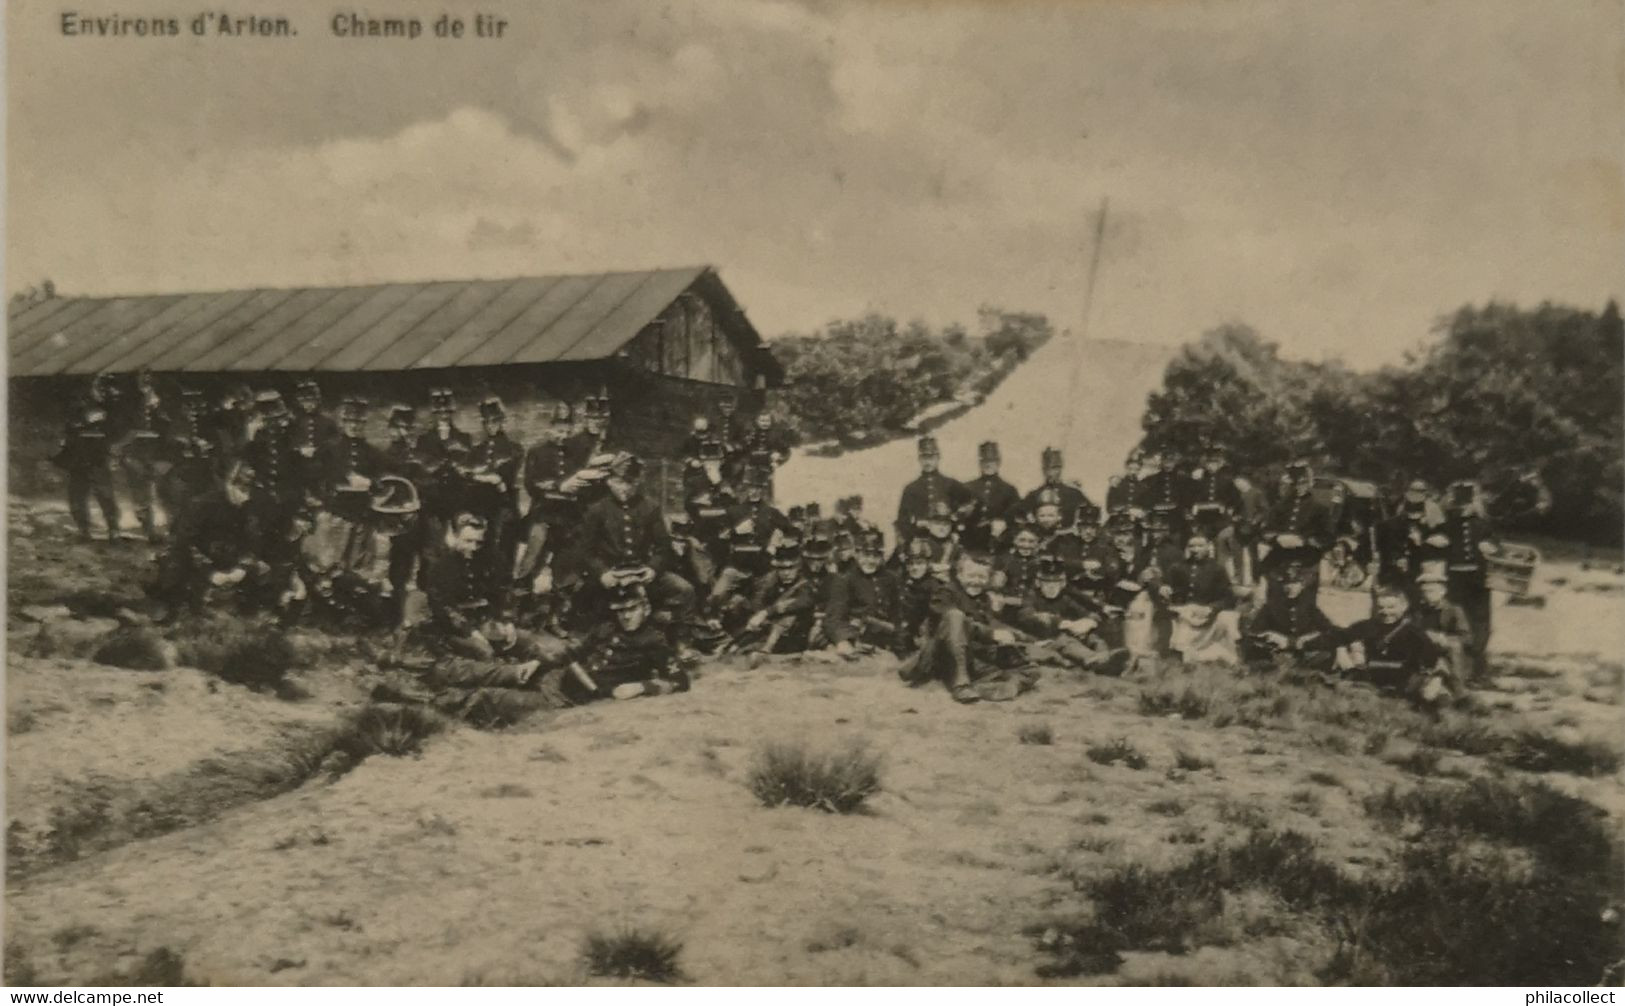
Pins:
x: 1033, y: 408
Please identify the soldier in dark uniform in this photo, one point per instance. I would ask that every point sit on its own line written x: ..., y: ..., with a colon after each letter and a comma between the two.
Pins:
x: 311, y: 430
x: 190, y: 454
x: 349, y: 466
x: 920, y: 497
x: 1065, y: 624
x: 1288, y: 626
x: 966, y: 647
x: 1055, y: 536
x: 491, y: 480
x: 1123, y: 492
x: 553, y: 483
x: 1403, y: 540
x: 750, y: 532
x: 1068, y: 495
x: 1211, y: 503
x: 1015, y: 573
x: 211, y: 546
x: 1299, y: 528
x: 850, y: 513
x: 915, y: 589
x: 819, y: 567
x: 270, y: 454
x: 228, y: 427
x: 627, y: 530
x: 1202, y: 603
x: 459, y: 588
x: 1472, y: 542
x: 765, y: 447
x: 1165, y: 492
x: 140, y: 451
x: 86, y: 455
x: 408, y: 544
x: 1394, y: 653
x: 625, y: 658
x: 1445, y: 623
x: 865, y: 602
x: 441, y: 450
x: 782, y: 605
x: 997, y: 503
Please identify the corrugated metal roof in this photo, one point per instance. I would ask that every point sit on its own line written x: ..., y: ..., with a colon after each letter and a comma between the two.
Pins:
x: 392, y: 326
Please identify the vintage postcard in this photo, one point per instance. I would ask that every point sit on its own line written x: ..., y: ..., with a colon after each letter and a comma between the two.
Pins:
x: 814, y: 492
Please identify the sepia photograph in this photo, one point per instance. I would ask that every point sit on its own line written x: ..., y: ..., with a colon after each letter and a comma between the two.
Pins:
x: 688, y: 493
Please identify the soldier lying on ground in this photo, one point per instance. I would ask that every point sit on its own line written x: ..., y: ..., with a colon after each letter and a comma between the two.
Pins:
x: 964, y: 646
x: 1064, y: 623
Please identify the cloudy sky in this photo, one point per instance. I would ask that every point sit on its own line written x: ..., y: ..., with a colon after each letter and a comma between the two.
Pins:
x: 1335, y: 172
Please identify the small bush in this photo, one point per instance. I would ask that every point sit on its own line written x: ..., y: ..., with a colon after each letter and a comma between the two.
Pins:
x: 387, y: 729
x: 162, y: 968
x: 1422, y: 761
x: 1324, y: 779
x: 19, y: 970
x: 135, y: 649
x: 1538, y: 752
x: 1191, y: 762
x: 1376, y: 743
x: 1036, y: 733
x: 251, y: 656
x: 1188, y: 704
x: 643, y: 954
x: 1119, y: 750
x: 1167, y: 808
x: 836, y: 781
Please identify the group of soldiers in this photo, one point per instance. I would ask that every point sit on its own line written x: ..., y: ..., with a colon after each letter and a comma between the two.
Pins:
x: 552, y: 567
x: 1195, y: 563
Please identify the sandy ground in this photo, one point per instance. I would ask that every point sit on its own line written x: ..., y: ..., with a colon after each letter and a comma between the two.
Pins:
x: 490, y: 855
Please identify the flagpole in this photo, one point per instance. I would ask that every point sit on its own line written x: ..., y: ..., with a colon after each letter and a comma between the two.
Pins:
x: 1088, y: 305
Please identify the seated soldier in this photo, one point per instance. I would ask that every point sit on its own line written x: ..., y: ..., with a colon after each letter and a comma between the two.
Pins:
x: 782, y: 606
x: 819, y: 566
x: 914, y: 591
x: 459, y: 585
x: 1289, y: 626
x: 626, y: 529
x: 1065, y: 623
x: 1055, y: 537
x: 211, y: 548
x: 1444, y: 622
x: 622, y: 659
x: 1015, y: 573
x: 1205, y: 623
x: 751, y: 530
x: 865, y: 602
x: 965, y: 647
x: 1394, y: 653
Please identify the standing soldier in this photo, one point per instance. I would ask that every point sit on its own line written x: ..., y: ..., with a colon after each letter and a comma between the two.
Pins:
x: 1211, y: 503
x: 1402, y: 540
x: 492, y: 488
x: 1165, y: 491
x: 86, y: 455
x: 1123, y: 492
x: 1067, y: 495
x: 349, y: 467
x: 311, y: 430
x: 554, y: 488
x: 765, y: 447
x: 1299, y: 528
x: 921, y: 497
x: 277, y: 490
x: 191, y: 458
x: 441, y: 450
x: 140, y: 452
x: 1472, y: 543
x: 996, y: 502
x: 229, y: 427
x: 408, y: 544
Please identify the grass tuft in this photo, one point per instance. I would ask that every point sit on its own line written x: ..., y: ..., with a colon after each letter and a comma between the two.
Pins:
x: 837, y: 781
x: 643, y: 954
x: 1187, y: 704
x: 1189, y: 762
x: 135, y: 649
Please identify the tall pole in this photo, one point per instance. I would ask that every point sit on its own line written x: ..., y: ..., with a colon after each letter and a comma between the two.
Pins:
x: 1083, y: 324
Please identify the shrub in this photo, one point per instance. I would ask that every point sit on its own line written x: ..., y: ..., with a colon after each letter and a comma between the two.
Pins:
x: 387, y: 729
x: 1036, y: 733
x: 1189, y: 704
x: 246, y: 655
x: 644, y: 954
x: 1537, y: 752
x: 1119, y: 750
x: 1191, y: 762
x: 135, y: 649
x: 837, y: 781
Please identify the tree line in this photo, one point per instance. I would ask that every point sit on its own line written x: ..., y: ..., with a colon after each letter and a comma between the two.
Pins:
x: 1526, y: 401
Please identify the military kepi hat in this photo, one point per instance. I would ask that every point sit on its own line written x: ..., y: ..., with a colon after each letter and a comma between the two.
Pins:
x: 928, y: 447
x: 987, y: 451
